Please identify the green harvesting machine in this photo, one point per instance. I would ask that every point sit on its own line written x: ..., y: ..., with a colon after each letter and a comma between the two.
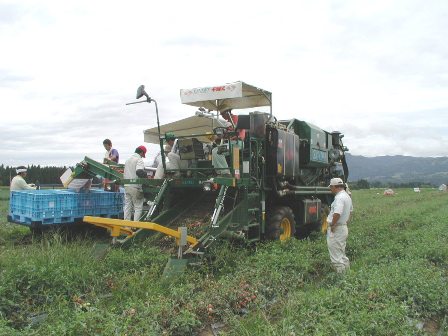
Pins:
x: 276, y: 186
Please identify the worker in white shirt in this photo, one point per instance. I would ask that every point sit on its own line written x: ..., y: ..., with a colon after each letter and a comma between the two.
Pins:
x: 169, y: 143
x: 172, y: 158
x: 133, y: 198
x: 218, y: 159
x: 337, y: 232
x: 18, y: 182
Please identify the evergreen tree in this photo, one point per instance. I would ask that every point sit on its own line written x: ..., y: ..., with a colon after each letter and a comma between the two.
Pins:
x: 36, y: 174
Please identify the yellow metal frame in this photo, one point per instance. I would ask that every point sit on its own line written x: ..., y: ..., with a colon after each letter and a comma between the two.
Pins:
x: 120, y: 227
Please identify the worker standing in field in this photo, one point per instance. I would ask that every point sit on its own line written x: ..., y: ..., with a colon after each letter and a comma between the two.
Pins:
x: 337, y: 233
x: 133, y: 197
x: 18, y: 182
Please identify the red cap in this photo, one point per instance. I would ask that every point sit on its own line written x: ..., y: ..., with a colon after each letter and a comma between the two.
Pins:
x: 143, y: 149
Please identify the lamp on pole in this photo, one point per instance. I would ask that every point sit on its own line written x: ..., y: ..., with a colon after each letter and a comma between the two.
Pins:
x: 140, y: 93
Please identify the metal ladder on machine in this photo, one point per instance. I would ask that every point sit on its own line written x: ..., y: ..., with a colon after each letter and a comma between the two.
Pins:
x: 218, y: 224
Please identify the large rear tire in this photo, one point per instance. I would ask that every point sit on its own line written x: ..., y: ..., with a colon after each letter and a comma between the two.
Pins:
x: 281, y: 224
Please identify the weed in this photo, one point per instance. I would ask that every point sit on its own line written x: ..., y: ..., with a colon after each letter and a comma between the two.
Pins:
x: 51, y: 285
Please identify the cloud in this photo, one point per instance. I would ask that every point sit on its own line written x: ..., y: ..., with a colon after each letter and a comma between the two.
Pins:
x: 10, y: 80
x: 194, y: 42
x: 375, y: 71
x: 417, y: 133
x: 9, y: 14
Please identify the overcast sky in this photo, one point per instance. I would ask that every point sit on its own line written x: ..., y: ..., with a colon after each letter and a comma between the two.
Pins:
x: 375, y: 70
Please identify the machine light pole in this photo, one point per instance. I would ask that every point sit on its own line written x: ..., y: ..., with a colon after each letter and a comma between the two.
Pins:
x: 140, y: 93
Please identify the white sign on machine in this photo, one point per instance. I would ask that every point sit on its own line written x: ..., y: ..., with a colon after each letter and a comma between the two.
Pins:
x: 232, y: 90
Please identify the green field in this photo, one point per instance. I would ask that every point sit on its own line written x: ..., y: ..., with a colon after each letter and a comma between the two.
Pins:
x: 397, y: 285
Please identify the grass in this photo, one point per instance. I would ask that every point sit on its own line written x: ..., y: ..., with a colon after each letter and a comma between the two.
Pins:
x: 52, y: 285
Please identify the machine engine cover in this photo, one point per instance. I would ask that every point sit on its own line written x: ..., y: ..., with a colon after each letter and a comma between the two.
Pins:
x: 283, y: 153
x: 314, y: 148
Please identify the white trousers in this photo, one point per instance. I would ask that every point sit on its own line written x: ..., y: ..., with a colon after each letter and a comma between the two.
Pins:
x: 133, y: 203
x: 336, y: 242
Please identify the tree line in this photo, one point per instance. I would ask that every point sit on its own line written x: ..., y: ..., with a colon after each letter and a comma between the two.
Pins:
x: 364, y: 184
x: 36, y: 174
x: 51, y: 175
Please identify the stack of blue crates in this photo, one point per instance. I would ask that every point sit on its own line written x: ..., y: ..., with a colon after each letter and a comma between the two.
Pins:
x: 31, y: 207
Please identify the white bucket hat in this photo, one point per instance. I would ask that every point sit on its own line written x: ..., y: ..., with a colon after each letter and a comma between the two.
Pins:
x: 336, y: 181
x: 21, y: 169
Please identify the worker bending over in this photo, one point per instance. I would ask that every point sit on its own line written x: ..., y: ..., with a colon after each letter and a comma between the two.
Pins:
x: 169, y: 138
x: 172, y: 158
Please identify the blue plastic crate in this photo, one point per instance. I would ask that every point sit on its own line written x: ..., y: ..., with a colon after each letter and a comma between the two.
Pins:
x: 62, y: 206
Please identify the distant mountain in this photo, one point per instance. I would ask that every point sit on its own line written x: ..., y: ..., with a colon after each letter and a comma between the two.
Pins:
x: 398, y: 169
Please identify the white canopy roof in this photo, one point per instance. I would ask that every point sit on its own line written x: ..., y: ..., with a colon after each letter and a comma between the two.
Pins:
x: 237, y: 95
x: 185, y: 127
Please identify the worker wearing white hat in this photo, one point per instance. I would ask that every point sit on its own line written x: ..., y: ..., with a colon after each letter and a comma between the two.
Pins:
x: 337, y: 233
x: 18, y: 182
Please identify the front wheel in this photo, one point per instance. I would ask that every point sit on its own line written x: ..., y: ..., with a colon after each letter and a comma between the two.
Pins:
x: 281, y: 224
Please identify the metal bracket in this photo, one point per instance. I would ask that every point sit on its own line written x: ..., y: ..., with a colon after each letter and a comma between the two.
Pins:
x: 182, y: 240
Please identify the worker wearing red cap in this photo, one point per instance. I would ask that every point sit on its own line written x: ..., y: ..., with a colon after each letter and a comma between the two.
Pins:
x: 133, y: 198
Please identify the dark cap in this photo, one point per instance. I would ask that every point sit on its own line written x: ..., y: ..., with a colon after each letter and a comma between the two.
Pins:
x: 170, y: 136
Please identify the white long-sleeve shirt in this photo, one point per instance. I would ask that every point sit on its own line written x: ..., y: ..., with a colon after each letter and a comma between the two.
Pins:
x: 134, y: 163
x: 19, y: 183
x: 341, y: 205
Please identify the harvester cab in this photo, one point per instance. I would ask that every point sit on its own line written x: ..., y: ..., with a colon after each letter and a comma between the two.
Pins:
x: 247, y: 176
